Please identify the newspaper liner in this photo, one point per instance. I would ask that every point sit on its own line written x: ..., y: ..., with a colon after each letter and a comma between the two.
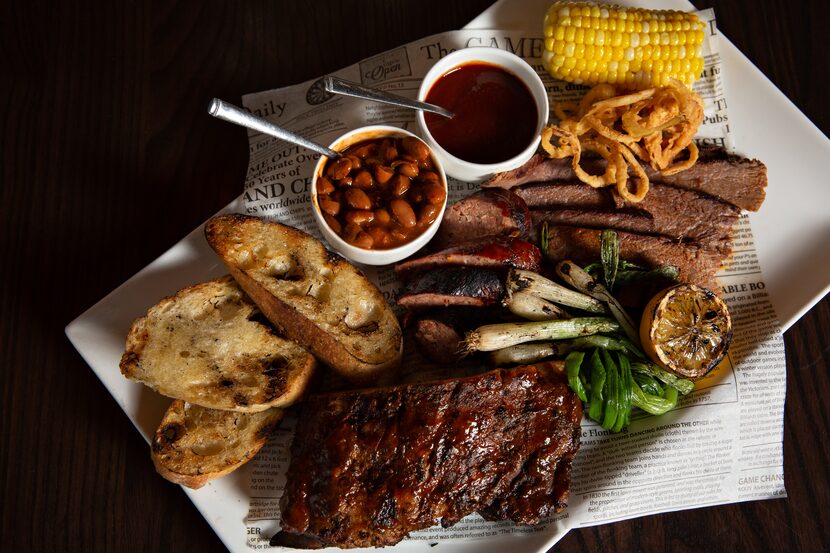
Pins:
x: 723, y: 444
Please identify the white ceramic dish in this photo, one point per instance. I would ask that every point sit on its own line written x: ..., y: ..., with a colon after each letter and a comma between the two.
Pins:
x: 791, y: 230
x: 474, y: 172
x: 361, y: 255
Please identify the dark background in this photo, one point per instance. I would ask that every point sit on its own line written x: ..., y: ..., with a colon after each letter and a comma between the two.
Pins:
x: 108, y: 159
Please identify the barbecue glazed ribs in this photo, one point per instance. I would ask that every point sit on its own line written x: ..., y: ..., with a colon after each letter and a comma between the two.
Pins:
x: 368, y: 467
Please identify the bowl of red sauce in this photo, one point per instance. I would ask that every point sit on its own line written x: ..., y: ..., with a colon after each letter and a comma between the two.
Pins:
x: 500, y: 106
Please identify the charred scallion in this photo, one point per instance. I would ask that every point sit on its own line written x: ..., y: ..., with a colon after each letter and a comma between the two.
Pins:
x: 498, y: 336
x: 544, y: 237
x: 531, y: 307
x: 529, y: 282
x: 611, y: 343
x: 610, y: 256
x: 521, y: 354
x: 582, y: 281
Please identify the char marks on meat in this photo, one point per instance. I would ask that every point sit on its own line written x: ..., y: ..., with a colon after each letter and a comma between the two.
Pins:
x: 486, y: 213
x: 460, y: 286
x: 500, y: 253
x: 734, y: 179
x: 368, y: 467
x: 683, y: 215
x: 582, y: 245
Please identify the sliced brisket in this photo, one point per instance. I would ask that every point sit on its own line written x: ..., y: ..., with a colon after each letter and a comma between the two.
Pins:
x: 682, y: 215
x: 695, y: 263
x: 500, y: 253
x: 493, y: 212
x: 368, y: 467
x: 732, y: 178
x: 575, y: 195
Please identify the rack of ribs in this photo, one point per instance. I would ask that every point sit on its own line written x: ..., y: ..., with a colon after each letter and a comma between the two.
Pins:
x: 370, y: 466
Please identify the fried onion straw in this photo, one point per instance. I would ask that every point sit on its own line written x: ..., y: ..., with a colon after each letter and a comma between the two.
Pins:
x: 653, y: 126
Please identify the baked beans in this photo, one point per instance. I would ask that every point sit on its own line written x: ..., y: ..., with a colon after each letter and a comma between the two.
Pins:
x: 381, y: 193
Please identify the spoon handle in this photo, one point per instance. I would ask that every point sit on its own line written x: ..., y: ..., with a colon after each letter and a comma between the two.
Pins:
x: 232, y: 114
x: 339, y: 86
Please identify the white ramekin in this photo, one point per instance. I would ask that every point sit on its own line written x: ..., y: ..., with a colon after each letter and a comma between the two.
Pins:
x: 465, y: 170
x: 361, y: 255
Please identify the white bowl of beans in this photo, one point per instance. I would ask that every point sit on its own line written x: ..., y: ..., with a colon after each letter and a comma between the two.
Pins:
x: 383, y: 199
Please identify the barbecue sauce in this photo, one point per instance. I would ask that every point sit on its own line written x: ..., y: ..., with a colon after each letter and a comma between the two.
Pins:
x: 495, y: 113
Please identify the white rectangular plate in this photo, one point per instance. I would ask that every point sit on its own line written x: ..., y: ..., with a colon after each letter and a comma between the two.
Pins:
x: 791, y: 230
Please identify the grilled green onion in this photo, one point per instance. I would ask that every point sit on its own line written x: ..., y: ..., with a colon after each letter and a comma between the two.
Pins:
x: 612, y: 384
x: 572, y: 363
x: 626, y: 394
x: 680, y: 384
x: 582, y: 281
x: 531, y: 307
x: 609, y: 253
x: 532, y: 283
x: 498, y: 336
x: 648, y: 384
x: 654, y: 404
x: 525, y: 353
x: 595, y: 406
x: 605, y: 342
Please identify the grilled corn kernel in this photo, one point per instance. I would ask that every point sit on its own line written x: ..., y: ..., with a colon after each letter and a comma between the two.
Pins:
x: 591, y: 44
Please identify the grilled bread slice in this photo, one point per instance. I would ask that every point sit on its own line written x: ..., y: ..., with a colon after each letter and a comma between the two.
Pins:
x: 209, y: 345
x: 194, y: 445
x: 313, y: 297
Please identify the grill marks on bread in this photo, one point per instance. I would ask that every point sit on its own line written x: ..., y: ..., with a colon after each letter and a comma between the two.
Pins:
x: 312, y: 296
x: 194, y: 445
x: 207, y: 345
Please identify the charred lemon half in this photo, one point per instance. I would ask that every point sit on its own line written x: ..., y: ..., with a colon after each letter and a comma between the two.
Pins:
x: 686, y: 329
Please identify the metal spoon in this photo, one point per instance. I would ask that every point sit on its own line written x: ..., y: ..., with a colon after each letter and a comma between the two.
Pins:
x: 232, y: 114
x: 339, y: 86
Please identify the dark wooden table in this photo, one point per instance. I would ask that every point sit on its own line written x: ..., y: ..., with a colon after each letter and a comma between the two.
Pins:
x: 108, y: 158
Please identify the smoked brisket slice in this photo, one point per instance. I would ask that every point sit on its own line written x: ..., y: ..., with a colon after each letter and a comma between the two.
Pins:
x: 486, y: 213
x: 681, y: 215
x: 696, y: 264
x: 368, y: 467
x: 562, y: 194
x: 732, y: 178
x: 499, y: 253
x: 459, y: 286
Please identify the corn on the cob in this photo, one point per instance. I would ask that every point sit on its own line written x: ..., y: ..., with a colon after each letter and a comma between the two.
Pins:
x: 589, y: 43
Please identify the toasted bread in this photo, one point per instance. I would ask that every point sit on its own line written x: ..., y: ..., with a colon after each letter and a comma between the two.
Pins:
x: 314, y: 297
x: 209, y: 345
x: 193, y: 445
